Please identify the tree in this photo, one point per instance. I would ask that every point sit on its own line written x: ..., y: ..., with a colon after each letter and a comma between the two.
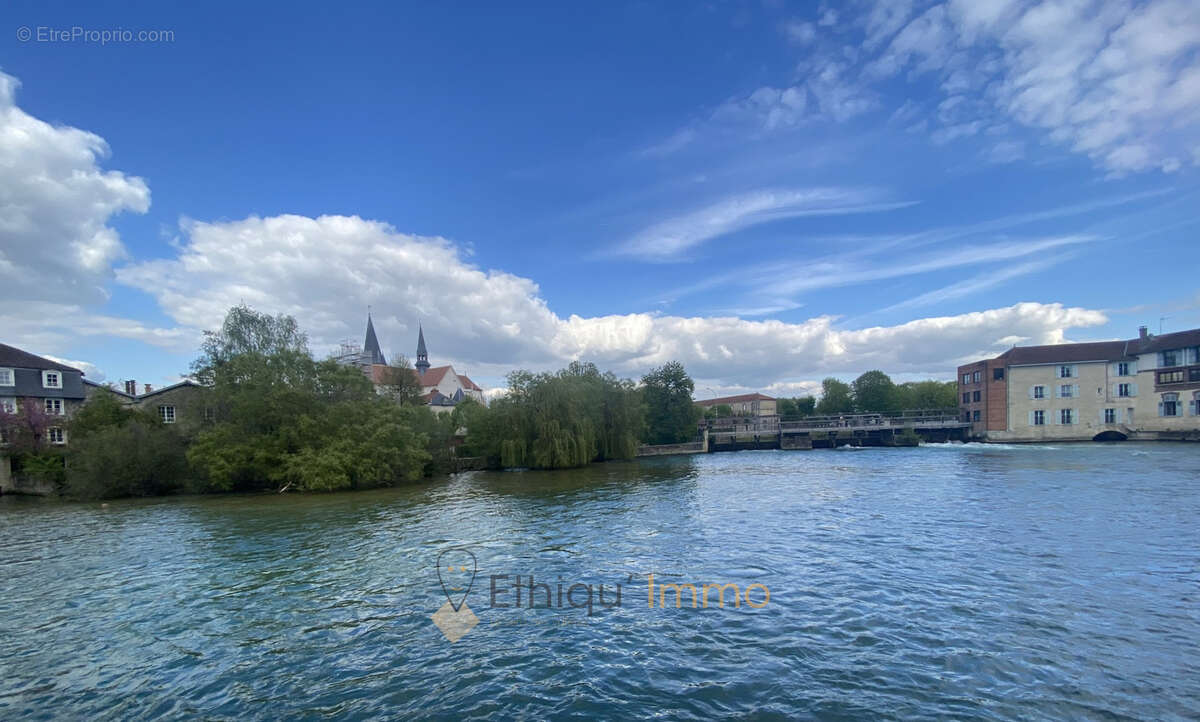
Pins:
x: 806, y: 405
x: 399, y: 382
x: 836, y: 398
x: 246, y: 331
x: 873, y: 393
x: 557, y: 421
x: 796, y: 408
x: 927, y: 395
x: 671, y: 415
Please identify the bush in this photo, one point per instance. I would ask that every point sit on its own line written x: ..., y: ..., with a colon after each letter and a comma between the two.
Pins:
x: 136, y: 458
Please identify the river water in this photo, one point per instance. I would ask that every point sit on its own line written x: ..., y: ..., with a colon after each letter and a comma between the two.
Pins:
x: 961, y: 580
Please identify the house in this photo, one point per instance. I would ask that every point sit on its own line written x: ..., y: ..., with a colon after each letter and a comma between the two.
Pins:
x: 1142, y: 388
x: 442, y: 388
x: 55, y: 390
x: 743, y: 404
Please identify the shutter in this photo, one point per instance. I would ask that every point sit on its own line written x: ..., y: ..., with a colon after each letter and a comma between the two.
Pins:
x: 1133, y: 389
x: 1031, y: 396
x: 1031, y: 418
x: 1192, y: 408
x: 1075, y: 391
x: 1160, y: 408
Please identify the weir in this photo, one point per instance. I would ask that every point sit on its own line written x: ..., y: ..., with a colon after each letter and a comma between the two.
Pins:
x: 896, y: 429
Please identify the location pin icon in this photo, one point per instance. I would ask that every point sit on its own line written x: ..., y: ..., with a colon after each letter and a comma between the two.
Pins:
x: 456, y: 571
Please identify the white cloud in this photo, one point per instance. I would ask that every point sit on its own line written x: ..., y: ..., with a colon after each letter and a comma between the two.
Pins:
x: 326, y: 270
x: 801, y: 33
x: 670, y: 239
x: 90, y: 370
x: 55, y: 205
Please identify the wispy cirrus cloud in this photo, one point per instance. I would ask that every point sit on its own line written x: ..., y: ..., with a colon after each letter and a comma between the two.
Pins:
x: 670, y: 239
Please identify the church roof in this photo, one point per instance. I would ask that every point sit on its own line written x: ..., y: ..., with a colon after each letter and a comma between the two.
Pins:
x: 434, y: 376
x: 371, y: 345
x: 468, y: 383
x: 421, y: 342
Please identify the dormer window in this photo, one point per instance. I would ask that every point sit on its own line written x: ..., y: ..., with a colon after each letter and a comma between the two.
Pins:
x: 51, y: 380
x: 7, y: 378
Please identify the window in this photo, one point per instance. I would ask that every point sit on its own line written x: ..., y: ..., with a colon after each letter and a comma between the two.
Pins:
x: 1195, y: 404
x: 1065, y: 372
x: 1169, y: 358
x: 1039, y: 392
x: 51, y: 379
x: 976, y: 377
x: 1123, y: 390
x: 210, y: 414
x: 1123, y: 368
x: 167, y: 414
x: 1066, y: 416
x: 6, y: 377
x: 55, y: 435
x: 1170, y: 377
x: 54, y: 407
x: 967, y: 398
x: 1194, y: 375
x: 8, y: 405
x: 1110, y: 416
x: 1066, y: 391
x: 1169, y: 406
x: 975, y: 415
x: 966, y: 378
x: 1039, y: 418
x: 977, y: 396
x: 997, y: 374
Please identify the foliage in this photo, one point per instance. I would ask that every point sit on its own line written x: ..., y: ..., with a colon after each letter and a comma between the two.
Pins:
x: 796, y: 408
x: 836, y: 398
x: 25, y: 431
x: 874, y: 392
x: 136, y: 456
x: 907, y: 437
x: 246, y: 331
x: 671, y: 415
x: 559, y: 420
x: 287, y: 421
x: 720, y: 411
x: 926, y: 395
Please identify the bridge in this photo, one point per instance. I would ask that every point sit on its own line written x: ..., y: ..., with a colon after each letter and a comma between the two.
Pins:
x: 904, y: 428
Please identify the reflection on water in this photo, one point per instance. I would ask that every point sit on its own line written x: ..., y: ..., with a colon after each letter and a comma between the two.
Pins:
x: 955, y: 580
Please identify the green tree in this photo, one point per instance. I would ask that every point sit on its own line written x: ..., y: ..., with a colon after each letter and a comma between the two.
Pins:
x: 560, y: 420
x: 806, y: 405
x: 796, y: 408
x: 246, y: 331
x: 873, y: 393
x: 671, y: 415
x: 836, y: 398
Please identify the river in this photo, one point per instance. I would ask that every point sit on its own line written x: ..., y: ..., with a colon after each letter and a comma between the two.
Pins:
x: 948, y: 580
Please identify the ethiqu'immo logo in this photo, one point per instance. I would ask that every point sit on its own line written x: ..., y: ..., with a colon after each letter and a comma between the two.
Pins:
x: 456, y: 569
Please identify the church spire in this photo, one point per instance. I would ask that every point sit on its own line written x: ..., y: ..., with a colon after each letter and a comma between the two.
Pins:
x: 371, y: 348
x: 422, y: 355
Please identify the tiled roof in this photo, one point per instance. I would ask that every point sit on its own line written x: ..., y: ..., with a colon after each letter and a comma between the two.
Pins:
x: 735, y: 399
x: 469, y: 384
x: 434, y: 376
x: 13, y: 357
x: 1166, y: 341
x: 1065, y: 353
x: 172, y: 387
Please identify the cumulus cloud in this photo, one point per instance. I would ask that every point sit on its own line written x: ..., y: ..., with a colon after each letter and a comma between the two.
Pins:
x: 90, y: 370
x: 326, y: 270
x: 55, y: 205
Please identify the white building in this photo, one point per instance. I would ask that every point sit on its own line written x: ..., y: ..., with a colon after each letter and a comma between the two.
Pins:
x: 1143, y: 388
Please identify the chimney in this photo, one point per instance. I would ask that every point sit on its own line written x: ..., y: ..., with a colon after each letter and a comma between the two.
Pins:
x: 131, y: 387
x: 149, y: 388
x: 1143, y: 333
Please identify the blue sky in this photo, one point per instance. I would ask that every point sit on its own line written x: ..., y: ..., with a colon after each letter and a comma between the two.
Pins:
x: 770, y: 192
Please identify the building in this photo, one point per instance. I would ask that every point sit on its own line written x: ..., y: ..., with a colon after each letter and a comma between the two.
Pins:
x: 186, y: 404
x: 55, y: 390
x: 442, y: 388
x: 1142, y: 388
x: 744, y: 404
